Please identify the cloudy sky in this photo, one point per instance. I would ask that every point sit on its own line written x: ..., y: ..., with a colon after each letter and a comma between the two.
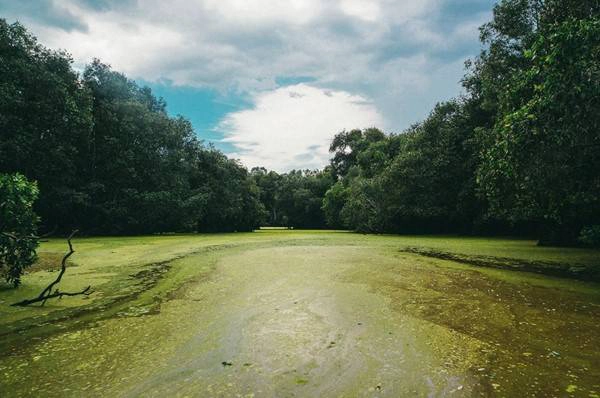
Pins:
x: 271, y: 81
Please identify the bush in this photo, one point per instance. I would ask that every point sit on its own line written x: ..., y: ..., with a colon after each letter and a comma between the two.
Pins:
x: 590, y: 236
x: 18, y: 225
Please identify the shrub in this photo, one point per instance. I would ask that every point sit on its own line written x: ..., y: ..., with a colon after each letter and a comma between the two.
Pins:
x: 18, y: 225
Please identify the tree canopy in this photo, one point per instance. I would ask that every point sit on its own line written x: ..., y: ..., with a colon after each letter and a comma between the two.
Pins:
x: 107, y: 157
x: 518, y: 153
x: 293, y: 199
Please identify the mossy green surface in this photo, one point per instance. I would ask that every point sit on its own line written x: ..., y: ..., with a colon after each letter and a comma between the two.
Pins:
x: 302, y: 313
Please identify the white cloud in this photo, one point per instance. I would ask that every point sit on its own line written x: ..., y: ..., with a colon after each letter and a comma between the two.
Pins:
x: 244, y: 45
x: 363, y: 9
x: 292, y: 127
x: 295, y: 12
x: 402, y: 55
x: 135, y: 49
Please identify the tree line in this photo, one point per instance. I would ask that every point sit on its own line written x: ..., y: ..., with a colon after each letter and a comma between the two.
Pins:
x: 293, y: 199
x: 517, y: 153
x: 106, y: 156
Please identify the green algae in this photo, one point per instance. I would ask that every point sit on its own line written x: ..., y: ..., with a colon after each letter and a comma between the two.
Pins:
x: 586, y: 272
x: 272, y: 304
x: 539, y: 333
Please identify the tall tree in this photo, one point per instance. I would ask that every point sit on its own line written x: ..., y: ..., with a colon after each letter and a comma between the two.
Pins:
x: 543, y: 160
x: 45, y: 120
x: 107, y: 157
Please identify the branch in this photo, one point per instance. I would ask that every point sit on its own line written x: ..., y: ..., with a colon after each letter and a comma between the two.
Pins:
x: 47, y: 292
x: 86, y: 292
x: 63, y: 267
x: 16, y: 237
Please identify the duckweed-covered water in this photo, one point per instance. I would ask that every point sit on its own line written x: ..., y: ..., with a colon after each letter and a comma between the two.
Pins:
x: 314, y: 319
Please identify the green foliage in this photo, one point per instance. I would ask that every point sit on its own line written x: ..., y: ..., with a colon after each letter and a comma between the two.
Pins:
x: 18, y: 225
x: 429, y: 181
x: 142, y: 168
x: 590, y: 236
x: 333, y: 203
x: 419, y: 181
x: 293, y: 199
x: 107, y: 157
x: 359, y: 158
x: 45, y: 119
x: 268, y: 184
x: 518, y: 154
x: 543, y: 161
x: 233, y: 202
x: 348, y: 144
x: 365, y: 209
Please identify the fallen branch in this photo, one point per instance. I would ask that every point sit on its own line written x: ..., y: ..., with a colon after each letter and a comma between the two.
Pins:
x: 57, y: 293
x: 47, y: 293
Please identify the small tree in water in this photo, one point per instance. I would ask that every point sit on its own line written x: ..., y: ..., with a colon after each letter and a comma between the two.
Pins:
x: 18, y: 226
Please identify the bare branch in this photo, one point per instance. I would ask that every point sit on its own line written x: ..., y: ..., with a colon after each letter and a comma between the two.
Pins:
x: 86, y: 292
x: 47, y: 293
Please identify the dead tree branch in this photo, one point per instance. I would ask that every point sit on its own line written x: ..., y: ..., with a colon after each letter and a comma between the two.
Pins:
x: 47, y: 293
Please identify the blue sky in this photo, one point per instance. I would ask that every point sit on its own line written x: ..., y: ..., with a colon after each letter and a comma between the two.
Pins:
x: 270, y: 82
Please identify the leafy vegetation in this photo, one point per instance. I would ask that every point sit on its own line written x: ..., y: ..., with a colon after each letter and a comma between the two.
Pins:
x: 293, y: 199
x: 518, y: 154
x: 106, y: 156
x: 18, y: 226
x: 590, y: 236
x: 540, y: 163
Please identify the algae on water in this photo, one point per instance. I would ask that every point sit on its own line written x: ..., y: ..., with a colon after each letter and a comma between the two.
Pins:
x: 306, y: 314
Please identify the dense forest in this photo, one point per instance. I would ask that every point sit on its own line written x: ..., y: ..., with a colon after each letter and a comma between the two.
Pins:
x: 106, y: 156
x: 517, y: 153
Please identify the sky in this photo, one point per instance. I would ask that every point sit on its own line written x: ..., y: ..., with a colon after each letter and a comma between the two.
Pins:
x: 270, y: 82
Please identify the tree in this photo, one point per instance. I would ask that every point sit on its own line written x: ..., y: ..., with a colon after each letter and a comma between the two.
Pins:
x: 431, y: 179
x: 333, y: 203
x: 268, y: 183
x: 141, y: 163
x: 543, y: 160
x: 294, y: 199
x: 233, y: 202
x: 18, y: 226
x: 364, y: 210
x: 45, y: 121
x: 346, y: 146
x: 107, y: 157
